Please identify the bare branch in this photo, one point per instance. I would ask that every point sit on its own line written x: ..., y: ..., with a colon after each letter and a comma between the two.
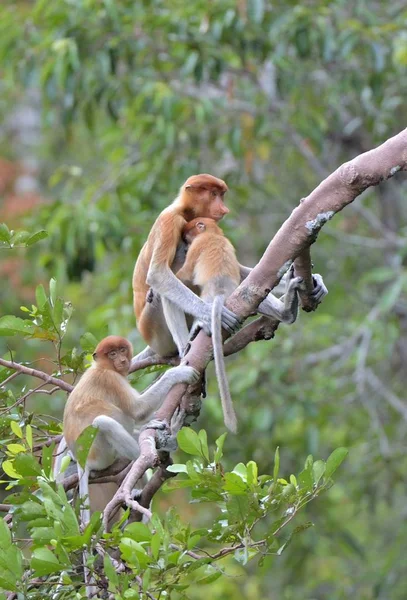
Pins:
x: 10, y: 364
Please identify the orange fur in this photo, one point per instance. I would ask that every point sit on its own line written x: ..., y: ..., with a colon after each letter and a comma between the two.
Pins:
x: 210, y: 255
x: 201, y: 195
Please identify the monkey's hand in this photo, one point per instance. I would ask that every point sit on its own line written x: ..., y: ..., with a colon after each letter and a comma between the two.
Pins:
x: 177, y: 420
x: 320, y: 290
x: 183, y: 374
x: 228, y: 321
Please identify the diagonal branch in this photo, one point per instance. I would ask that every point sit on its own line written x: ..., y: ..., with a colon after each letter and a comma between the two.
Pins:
x: 291, y: 242
x: 10, y: 364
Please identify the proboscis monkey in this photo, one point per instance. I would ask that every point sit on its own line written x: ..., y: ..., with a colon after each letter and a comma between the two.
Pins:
x: 161, y: 316
x: 104, y: 398
x: 212, y: 266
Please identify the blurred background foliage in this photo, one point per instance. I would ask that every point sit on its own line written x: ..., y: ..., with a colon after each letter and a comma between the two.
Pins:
x: 107, y: 107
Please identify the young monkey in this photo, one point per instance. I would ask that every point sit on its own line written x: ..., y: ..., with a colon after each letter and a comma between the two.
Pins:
x: 105, y: 399
x: 211, y: 264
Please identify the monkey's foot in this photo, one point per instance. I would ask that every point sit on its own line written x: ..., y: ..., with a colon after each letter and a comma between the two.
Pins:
x: 320, y: 290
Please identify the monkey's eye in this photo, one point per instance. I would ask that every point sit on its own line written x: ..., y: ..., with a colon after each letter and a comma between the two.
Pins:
x: 123, y: 350
x: 112, y: 354
x: 214, y: 193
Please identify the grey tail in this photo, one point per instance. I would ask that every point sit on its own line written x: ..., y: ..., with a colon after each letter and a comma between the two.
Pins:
x: 229, y: 414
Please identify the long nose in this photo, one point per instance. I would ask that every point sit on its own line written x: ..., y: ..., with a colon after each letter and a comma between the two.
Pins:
x: 224, y: 209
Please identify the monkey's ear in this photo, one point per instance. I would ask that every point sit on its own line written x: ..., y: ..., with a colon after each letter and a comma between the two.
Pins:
x: 94, y: 356
x: 188, y: 187
x: 200, y: 226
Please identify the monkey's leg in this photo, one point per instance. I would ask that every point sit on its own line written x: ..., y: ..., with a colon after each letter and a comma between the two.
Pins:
x: 117, y: 437
x: 146, y: 353
x: 177, y: 324
x: 167, y: 285
x: 151, y: 399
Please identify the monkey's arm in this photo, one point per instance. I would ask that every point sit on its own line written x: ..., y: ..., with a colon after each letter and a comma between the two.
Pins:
x: 162, y: 280
x: 148, y: 402
x: 186, y: 273
x: 269, y: 305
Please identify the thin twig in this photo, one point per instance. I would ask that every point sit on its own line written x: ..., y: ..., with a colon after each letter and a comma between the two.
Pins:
x: 10, y: 364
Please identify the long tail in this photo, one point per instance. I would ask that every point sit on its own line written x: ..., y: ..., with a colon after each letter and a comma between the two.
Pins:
x: 229, y: 414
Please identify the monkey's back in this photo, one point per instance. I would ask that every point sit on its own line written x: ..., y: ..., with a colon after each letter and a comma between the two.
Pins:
x: 160, y: 248
x: 215, y: 264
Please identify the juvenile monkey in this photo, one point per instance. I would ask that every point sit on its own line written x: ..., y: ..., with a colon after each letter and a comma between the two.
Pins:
x: 211, y: 264
x: 161, y: 316
x: 104, y: 398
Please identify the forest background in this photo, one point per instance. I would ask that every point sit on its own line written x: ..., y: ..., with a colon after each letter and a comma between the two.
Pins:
x: 106, y: 108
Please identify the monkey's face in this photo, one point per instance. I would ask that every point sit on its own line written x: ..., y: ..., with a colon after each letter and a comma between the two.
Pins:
x: 205, y: 200
x: 214, y: 206
x: 120, y: 360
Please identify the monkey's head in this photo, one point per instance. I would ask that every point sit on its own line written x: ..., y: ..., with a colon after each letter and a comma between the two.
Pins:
x: 114, y: 353
x: 198, y: 226
x: 203, y: 196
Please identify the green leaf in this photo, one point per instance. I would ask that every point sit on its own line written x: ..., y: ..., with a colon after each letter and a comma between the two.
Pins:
x: 189, y: 441
x: 36, y: 237
x: 19, y: 237
x: 276, y: 464
x: 16, y: 429
x: 213, y: 576
x: 318, y: 469
x: 5, y: 535
x: 29, y: 436
x: 138, y: 531
x: 156, y: 542
x: 44, y: 562
x: 40, y: 296
x: 203, y: 438
x: 234, y: 484
x: 177, y: 468
x: 84, y: 443
x: 335, y: 460
x: 27, y: 465
x: 219, y: 447
x: 110, y: 573
x: 9, y: 470
x: 10, y: 325
x: 252, y: 473
x: 5, y: 235
x: 241, y: 470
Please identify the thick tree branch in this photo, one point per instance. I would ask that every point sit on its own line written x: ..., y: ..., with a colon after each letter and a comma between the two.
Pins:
x: 291, y: 242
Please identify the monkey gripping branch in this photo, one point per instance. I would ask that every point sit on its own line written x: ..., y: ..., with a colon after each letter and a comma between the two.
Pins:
x: 291, y: 243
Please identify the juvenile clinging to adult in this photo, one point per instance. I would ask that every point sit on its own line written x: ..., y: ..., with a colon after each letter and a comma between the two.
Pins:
x: 161, y: 316
x: 212, y: 266
x: 104, y: 398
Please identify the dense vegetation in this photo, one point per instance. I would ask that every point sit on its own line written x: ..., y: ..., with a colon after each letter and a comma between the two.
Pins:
x: 106, y: 108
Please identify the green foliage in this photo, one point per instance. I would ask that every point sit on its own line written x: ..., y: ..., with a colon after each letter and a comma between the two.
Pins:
x: 15, y: 239
x: 167, y: 555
